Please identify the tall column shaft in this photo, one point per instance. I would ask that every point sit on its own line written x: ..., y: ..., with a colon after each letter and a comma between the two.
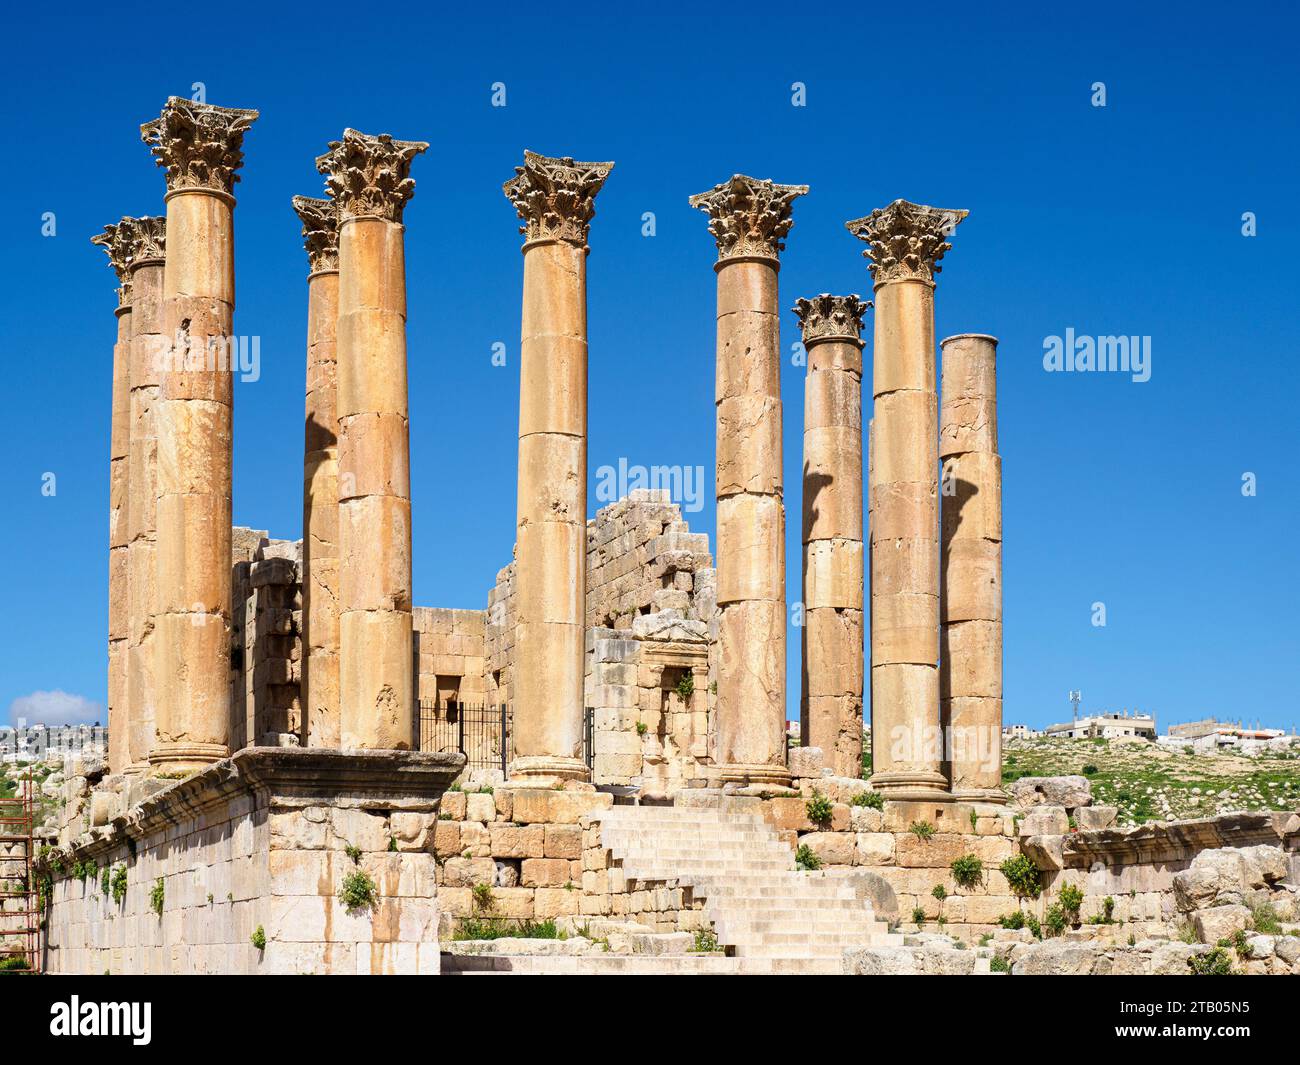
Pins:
x: 749, y: 220
x: 554, y: 197
x: 970, y: 679
x: 374, y: 465
x: 905, y: 246
x: 146, y: 344
x: 200, y: 147
x: 320, y: 511
x: 833, y: 571
x: 118, y: 521
x: 367, y: 177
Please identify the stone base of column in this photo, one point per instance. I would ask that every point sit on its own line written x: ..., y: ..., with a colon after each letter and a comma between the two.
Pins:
x: 989, y: 796
x: 912, y: 786
x: 543, y: 771
x: 185, y: 757
x: 745, y: 774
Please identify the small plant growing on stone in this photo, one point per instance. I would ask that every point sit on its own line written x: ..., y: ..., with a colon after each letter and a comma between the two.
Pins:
x: 209, y: 898
x: 974, y: 821
x: 941, y: 920
x: 706, y: 942
x: 918, y: 916
x: 1070, y: 899
x: 106, y: 881
x: 1108, y: 910
x: 358, y: 892
x: 1090, y: 770
x: 872, y: 800
x: 259, y: 938
x: 819, y: 809
x: 999, y: 965
x: 1054, y: 920
x: 922, y: 830
x: 392, y: 843
x: 1213, y: 963
x: 484, y: 900
x: 156, y: 896
x: 118, y: 884
x: 642, y: 728
x: 967, y: 870
x: 686, y: 686
x: 805, y: 859
x: 1022, y: 876
x: 940, y: 892
x: 1263, y: 918
x: 354, y: 853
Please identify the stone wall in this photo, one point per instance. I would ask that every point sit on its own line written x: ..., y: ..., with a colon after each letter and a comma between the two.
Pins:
x: 260, y: 841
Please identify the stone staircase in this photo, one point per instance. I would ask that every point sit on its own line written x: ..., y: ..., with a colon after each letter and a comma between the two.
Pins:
x: 768, y: 916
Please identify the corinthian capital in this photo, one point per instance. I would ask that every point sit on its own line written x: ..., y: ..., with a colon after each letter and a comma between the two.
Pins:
x: 199, y: 145
x: 369, y: 177
x: 748, y: 216
x: 827, y: 317
x: 320, y: 231
x: 905, y: 241
x: 129, y: 243
x: 117, y: 246
x: 556, y: 198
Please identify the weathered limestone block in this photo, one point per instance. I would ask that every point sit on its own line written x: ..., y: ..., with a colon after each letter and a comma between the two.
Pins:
x: 1069, y: 792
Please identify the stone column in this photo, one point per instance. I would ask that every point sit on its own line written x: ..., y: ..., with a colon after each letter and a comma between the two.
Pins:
x: 200, y: 147
x: 905, y: 243
x: 115, y: 240
x: 369, y: 179
x: 970, y: 598
x: 831, y: 700
x: 147, y: 270
x: 555, y: 199
x: 749, y: 220
x: 320, y: 494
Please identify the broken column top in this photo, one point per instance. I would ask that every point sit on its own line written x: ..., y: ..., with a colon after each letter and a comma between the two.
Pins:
x: 369, y: 176
x: 556, y: 197
x: 827, y: 317
x: 320, y: 232
x: 199, y: 145
x: 905, y: 240
x: 749, y: 217
x: 131, y: 243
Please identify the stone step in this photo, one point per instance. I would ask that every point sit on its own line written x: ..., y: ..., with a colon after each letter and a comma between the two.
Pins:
x: 617, y: 964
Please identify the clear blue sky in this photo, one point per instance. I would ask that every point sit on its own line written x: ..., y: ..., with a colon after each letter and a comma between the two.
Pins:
x: 1117, y: 220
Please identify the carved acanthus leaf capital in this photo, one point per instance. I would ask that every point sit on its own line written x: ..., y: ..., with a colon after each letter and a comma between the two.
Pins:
x: 827, y: 317
x: 370, y: 176
x: 320, y: 231
x: 129, y: 243
x: 749, y: 216
x: 199, y: 145
x: 556, y: 197
x: 905, y: 240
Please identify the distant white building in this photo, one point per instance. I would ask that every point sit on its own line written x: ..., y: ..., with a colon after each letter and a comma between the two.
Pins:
x: 1117, y: 725
x: 1020, y: 732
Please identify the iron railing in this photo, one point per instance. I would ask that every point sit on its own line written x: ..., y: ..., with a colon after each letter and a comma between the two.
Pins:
x: 484, y: 733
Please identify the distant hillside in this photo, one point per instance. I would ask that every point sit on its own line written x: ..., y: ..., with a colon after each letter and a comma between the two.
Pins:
x: 1150, y: 782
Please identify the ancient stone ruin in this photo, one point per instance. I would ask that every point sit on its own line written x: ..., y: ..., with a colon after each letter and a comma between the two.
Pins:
x: 308, y: 773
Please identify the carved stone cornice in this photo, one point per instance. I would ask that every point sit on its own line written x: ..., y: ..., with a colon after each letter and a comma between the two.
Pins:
x: 199, y: 145
x: 320, y: 232
x: 128, y: 244
x: 827, y: 317
x: 556, y: 197
x: 905, y: 240
x: 369, y: 176
x: 749, y: 217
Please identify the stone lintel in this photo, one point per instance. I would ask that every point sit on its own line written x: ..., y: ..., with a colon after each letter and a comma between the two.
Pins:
x: 827, y: 317
x: 320, y: 232
x: 199, y: 145
x: 1174, y: 841
x: 556, y: 197
x: 749, y: 217
x: 905, y: 240
x: 369, y: 176
x: 286, y: 777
